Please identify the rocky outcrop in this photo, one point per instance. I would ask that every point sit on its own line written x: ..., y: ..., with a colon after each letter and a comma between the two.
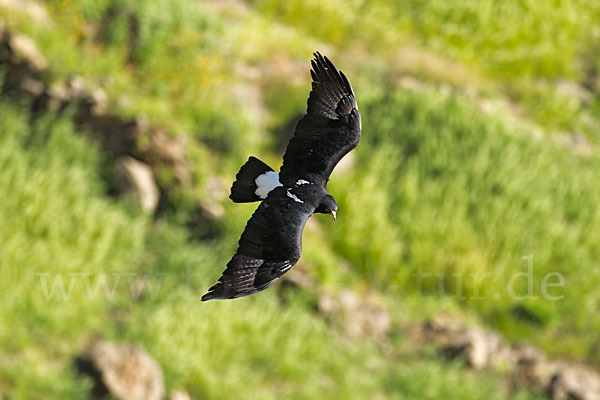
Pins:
x: 479, y: 348
x: 136, y: 180
x: 179, y: 395
x: 35, y: 11
x: 528, y: 366
x: 26, y: 76
x: 124, y: 371
x: 24, y: 65
x: 562, y: 380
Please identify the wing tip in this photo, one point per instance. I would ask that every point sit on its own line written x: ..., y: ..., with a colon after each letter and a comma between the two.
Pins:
x: 219, y: 293
x: 214, y: 292
x: 324, y: 70
x: 320, y: 62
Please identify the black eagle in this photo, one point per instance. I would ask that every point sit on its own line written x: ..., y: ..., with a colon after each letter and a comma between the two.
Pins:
x: 272, y: 241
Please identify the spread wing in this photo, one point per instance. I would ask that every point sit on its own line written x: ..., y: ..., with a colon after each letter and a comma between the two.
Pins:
x: 269, y: 247
x: 328, y: 131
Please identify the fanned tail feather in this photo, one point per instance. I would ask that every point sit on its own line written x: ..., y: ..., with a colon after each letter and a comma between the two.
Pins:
x: 244, y: 188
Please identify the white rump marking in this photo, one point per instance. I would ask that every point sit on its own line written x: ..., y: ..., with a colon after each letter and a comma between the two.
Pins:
x: 265, y: 183
x: 293, y: 196
x: 302, y: 182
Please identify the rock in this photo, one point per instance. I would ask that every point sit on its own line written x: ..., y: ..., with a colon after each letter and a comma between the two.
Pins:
x: 564, y: 380
x: 123, y: 370
x: 77, y: 86
x: 479, y: 348
x: 34, y: 10
x: 57, y: 96
x: 136, y: 179
x: 179, y: 395
x: 560, y: 380
x: 91, y: 102
x: 23, y: 65
x: 24, y: 48
x: 572, y: 381
x: 98, y: 101
x: 32, y: 87
x: 486, y: 348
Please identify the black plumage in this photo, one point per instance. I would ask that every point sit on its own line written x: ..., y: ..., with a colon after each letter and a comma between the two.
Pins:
x: 242, y: 190
x: 328, y: 131
x: 271, y: 244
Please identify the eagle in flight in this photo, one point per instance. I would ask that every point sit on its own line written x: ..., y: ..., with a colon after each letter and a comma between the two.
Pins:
x: 272, y: 241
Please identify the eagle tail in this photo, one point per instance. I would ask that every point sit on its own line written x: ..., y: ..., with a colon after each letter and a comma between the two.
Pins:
x: 248, y: 187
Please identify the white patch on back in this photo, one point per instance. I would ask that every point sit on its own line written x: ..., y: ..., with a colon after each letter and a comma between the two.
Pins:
x: 302, y: 182
x: 265, y: 183
x: 293, y: 196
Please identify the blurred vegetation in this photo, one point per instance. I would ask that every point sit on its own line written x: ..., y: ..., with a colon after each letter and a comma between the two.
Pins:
x: 481, y: 128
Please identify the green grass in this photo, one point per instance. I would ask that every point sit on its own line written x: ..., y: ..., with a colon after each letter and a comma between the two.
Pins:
x: 439, y: 190
x: 57, y: 222
x: 452, y: 191
x: 505, y: 38
x: 270, y: 351
x: 522, y: 48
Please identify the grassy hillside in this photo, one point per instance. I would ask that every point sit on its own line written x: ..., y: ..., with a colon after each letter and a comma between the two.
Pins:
x: 71, y: 257
x: 479, y: 155
x: 463, y: 199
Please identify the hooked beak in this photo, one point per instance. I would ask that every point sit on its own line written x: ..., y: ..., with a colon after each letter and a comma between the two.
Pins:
x: 333, y: 213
